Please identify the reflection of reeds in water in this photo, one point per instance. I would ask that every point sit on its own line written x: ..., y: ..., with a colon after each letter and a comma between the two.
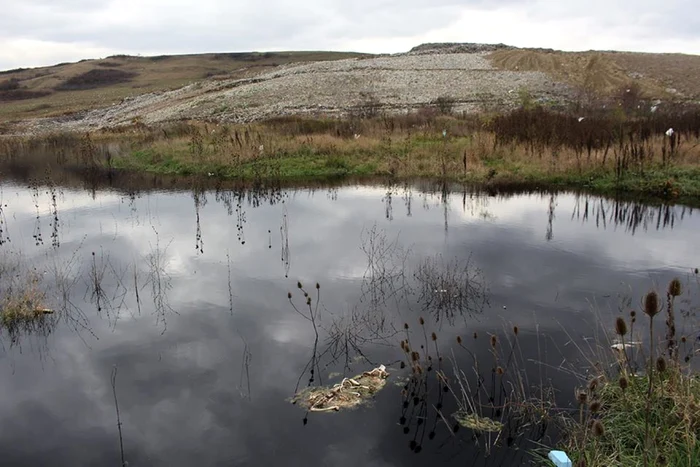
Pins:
x: 491, y: 401
x: 101, y: 268
x: 245, y: 370
x: 284, y: 234
x: 632, y: 215
x: 384, y: 278
x: 200, y: 200
x: 4, y: 237
x: 119, y: 420
x: 159, y: 280
x: 450, y: 288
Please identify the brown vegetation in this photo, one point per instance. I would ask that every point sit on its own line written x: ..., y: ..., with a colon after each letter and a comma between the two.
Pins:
x: 96, y: 78
x: 663, y: 76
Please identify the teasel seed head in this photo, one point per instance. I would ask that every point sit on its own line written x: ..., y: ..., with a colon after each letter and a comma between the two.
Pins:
x: 515, y: 330
x: 620, y: 326
x: 582, y: 397
x: 623, y: 382
x: 598, y: 428
x: 433, y: 336
x: 421, y: 321
x: 651, y: 304
x: 593, y: 384
x: 674, y: 288
x: 459, y: 340
x: 299, y: 285
x: 661, y: 364
x: 595, y: 406
x: 494, y: 341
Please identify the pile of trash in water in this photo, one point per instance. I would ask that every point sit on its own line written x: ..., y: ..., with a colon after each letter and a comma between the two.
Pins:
x: 350, y: 392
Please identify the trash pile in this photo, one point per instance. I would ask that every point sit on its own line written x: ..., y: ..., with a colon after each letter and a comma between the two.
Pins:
x: 350, y: 392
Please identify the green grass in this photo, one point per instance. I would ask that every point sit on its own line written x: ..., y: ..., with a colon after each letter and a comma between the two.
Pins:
x: 674, y: 419
x: 677, y: 183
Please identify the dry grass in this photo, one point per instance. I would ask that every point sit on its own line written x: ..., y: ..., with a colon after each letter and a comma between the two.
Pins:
x: 22, y: 307
x: 152, y: 74
x: 606, y: 72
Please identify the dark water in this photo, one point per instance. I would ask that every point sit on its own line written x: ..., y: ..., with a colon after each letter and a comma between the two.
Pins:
x: 210, y: 350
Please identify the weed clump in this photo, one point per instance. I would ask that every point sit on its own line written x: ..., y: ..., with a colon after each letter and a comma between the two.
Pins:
x: 22, y: 308
x: 637, y: 418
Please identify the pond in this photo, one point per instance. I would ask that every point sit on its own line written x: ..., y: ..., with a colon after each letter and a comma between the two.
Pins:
x: 172, y: 305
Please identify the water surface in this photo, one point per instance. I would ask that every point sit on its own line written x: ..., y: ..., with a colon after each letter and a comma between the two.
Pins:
x: 210, y: 349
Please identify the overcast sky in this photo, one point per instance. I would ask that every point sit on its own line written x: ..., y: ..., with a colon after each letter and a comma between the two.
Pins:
x: 45, y: 32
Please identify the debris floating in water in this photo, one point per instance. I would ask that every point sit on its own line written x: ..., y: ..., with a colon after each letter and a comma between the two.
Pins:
x: 476, y: 422
x: 350, y: 392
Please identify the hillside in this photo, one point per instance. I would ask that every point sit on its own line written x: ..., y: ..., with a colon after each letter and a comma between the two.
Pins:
x: 71, y: 87
x: 252, y: 86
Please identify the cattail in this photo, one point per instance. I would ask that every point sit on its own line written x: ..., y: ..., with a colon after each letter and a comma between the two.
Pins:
x: 459, y: 340
x: 661, y: 364
x: 515, y: 330
x: 674, y: 288
x: 620, y: 326
x: 651, y: 304
x: 318, y: 286
x: 623, y: 382
x: 582, y: 397
x: 421, y: 321
x: 289, y: 295
x: 433, y: 336
x: 494, y: 341
x: 499, y: 371
x: 598, y: 429
x: 595, y: 406
x: 299, y: 285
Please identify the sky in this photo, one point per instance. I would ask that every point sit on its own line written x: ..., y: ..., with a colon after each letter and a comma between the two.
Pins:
x: 46, y: 32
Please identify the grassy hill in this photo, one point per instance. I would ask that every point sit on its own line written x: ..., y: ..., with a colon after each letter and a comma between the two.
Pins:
x: 72, y: 87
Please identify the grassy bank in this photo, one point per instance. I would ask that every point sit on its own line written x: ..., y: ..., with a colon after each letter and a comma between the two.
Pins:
x: 644, y: 410
x: 603, y: 153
